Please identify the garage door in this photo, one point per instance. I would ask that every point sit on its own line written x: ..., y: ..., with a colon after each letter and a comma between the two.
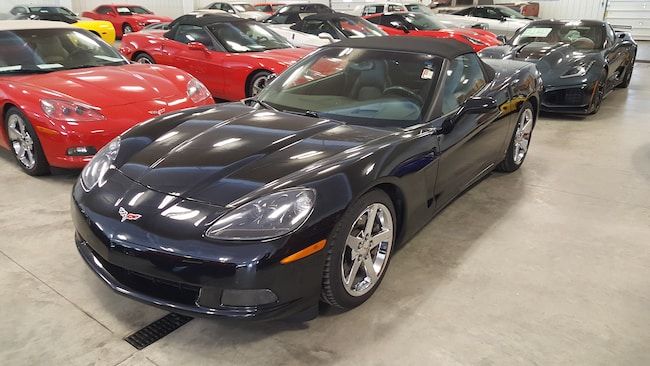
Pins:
x: 633, y: 13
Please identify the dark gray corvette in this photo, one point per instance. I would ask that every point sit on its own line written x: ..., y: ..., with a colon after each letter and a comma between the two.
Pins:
x: 580, y: 61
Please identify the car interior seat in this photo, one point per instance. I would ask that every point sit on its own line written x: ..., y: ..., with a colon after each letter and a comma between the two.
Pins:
x: 371, y: 80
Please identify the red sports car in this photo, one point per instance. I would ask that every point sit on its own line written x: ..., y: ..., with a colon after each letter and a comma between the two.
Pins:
x: 64, y: 94
x: 232, y: 56
x: 425, y: 25
x: 126, y: 18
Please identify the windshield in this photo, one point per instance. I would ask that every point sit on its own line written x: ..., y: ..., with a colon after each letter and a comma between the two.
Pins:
x: 51, y: 9
x: 247, y: 36
x: 359, y: 86
x: 586, y: 37
x: 510, y: 13
x: 44, y: 50
x: 128, y: 10
x: 418, y: 8
x: 423, y: 21
x: 244, y: 7
x: 357, y: 28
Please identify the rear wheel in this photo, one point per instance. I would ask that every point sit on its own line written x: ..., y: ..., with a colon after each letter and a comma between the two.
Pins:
x: 24, y: 143
x: 520, y: 141
x: 256, y: 83
x: 359, y: 251
x: 143, y: 58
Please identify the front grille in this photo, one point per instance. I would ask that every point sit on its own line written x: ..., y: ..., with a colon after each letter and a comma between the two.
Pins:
x: 568, y: 97
x: 152, y: 286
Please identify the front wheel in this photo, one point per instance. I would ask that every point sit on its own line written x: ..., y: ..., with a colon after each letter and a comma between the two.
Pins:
x: 126, y: 29
x: 359, y: 251
x: 520, y: 141
x: 143, y: 58
x: 257, y: 83
x: 24, y: 143
x: 599, y: 93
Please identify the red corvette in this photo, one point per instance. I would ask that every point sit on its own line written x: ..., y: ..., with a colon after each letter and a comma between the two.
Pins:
x: 232, y: 56
x: 126, y: 18
x: 425, y: 25
x: 64, y: 94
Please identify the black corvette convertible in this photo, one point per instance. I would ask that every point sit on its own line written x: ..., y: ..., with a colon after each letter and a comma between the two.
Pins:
x: 261, y: 209
x: 580, y: 61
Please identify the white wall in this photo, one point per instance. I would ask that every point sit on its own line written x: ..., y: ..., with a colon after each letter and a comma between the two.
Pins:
x: 6, y: 5
x: 569, y: 9
x: 172, y: 8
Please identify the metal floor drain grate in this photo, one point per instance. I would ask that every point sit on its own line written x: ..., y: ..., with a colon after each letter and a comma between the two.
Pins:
x: 157, y: 330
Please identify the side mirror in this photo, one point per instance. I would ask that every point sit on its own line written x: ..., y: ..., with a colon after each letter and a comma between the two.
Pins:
x: 503, y: 39
x: 503, y: 19
x: 404, y: 29
x: 476, y: 105
x: 197, y: 46
x: 326, y: 36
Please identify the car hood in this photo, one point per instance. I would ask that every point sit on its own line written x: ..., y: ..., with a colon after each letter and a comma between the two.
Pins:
x: 284, y: 56
x: 257, y: 15
x: 111, y: 86
x: 229, y: 151
x: 546, y: 55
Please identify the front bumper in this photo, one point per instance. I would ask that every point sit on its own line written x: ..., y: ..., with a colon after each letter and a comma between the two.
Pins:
x: 193, y: 277
x: 571, y: 99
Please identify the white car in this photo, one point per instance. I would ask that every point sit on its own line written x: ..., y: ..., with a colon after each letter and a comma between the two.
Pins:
x: 320, y: 29
x: 497, y: 19
x: 242, y: 10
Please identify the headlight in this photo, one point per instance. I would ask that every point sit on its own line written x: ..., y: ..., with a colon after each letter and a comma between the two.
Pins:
x: 197, y: 91
x: 64, y: 110
x: 265, y: 218
x: 578, y: 70
x: 95, y: 171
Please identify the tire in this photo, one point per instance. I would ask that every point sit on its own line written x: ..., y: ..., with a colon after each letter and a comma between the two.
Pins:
x: 24, y: 143
x: 628, y: 74
x: 599, y: 95
x: 143, y: 58
x: 520, y: 141
x: 126, y: 29
x: 341, y: 259
x: 256, y: 83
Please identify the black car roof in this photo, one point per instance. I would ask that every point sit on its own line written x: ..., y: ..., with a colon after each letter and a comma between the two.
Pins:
x: 202, y: 20
x: 447, y: 48
x: 328, y: 16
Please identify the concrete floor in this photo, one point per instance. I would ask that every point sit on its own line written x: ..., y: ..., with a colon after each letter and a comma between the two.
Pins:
x: 549, y: 266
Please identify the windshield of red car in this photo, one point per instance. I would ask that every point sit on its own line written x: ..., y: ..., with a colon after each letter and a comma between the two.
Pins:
x: 422, y: 21
x: 583, y: 36
x: 45, y: 50
x: 247, y: 36
x: 128, y: 10
x: 357, y: 27
x: 359, y: 86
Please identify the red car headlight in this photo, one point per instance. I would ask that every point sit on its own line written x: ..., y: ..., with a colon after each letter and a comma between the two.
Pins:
x: 70, y: 111
x: 197, y: 91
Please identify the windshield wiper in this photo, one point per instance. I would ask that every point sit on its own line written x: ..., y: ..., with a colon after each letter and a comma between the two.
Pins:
x: 305, y: 113
x: 28, y: 71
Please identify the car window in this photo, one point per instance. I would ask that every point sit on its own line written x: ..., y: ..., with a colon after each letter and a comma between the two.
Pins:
x: 373, y: 9
x: 487, y: 12
x: 192, y: 33
x: 104, y: 10
x: 392, y: 8
x: 463, y: 79
x: 396, y: 21
x: 378, y: 88
x: 247, y: 36
x: 264, y: 8
x: 375, y: 20
x: 317, y: 27
x: 581, y: 36
x: 465, y: 12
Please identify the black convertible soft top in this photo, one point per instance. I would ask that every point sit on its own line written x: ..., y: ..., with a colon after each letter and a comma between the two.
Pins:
x: 447, y: 48
x: 329, y: 16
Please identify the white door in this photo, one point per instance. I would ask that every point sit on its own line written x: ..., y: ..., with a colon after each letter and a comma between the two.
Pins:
x: 632, y: 13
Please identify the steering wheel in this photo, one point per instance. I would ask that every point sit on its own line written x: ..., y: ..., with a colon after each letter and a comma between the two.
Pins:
x: 408, y: 93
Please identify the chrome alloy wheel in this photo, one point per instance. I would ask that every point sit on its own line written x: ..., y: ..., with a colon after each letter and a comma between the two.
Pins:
x: 21, y: 141
x: 258, y: 84
x: 367, y: 248
x: 522, y: 135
